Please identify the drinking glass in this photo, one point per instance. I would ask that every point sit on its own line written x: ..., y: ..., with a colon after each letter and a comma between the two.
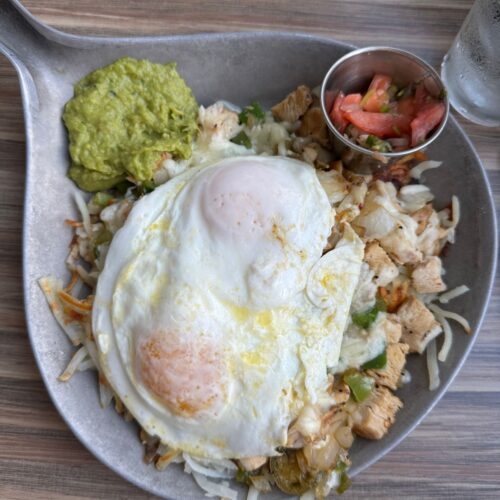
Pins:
x: 471, y: 68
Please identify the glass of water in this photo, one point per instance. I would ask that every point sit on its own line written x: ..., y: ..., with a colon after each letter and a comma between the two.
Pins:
x: 471, y: 68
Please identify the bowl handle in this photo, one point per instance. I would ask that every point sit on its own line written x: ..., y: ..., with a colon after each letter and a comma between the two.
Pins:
x: 23, y: 44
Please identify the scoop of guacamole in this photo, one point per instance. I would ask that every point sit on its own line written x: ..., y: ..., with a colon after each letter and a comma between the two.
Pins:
x: 124, y: 118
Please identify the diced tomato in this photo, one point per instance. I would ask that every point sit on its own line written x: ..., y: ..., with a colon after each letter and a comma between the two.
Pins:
x: 428, y: 117
x: 353, y: 98
x: 375, y: 100
x: 380, y: 82
x: 329, y: 99
x: 351, y: 102
x: 379, y: 124
x: 336, y: 115
x: 421, y: 96
x: 406, y: 106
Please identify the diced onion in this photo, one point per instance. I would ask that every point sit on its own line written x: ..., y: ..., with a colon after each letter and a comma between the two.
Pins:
x: 432, y: 366
x: 405, y: 377
x: 445, y: 297
x: 253, y: 493
x: 308, y: 495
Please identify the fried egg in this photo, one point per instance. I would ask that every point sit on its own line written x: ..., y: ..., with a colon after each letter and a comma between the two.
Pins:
x: 217, y: 315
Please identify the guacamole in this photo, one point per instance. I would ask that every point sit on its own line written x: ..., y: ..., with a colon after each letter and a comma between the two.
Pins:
x: 124, y: 118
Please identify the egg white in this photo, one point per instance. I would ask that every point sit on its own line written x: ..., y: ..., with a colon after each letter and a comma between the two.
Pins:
x: 228, y: 256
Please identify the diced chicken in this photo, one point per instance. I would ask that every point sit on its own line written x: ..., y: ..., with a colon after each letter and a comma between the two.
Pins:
x: 396, y: 360
x: 397, y: 173
x: 365, y: 294
x: 373, y: 417
x: 314, y: 126
x: 252, y: 463
x: 340, y: 392
x: 396, y: 296
x: 392, y: 328
x: 294, y: 105
x: 419, y: 324
x: 334, y: 184
x: 217, y: 121
x: 426, y: 277
x: 306, y: 427
x: 433, y: 238
x: 384, y: 269
x: 421, y: 217
x: 114, y: 215
x: 400, y: 246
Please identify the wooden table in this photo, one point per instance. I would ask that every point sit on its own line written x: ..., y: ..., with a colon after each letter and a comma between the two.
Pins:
x: 455, y: 453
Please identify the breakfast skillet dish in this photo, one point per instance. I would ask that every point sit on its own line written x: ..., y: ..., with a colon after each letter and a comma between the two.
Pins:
x: 243, y: 297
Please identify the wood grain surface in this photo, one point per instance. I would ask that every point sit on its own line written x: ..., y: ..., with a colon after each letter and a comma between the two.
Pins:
x: 454, y: 453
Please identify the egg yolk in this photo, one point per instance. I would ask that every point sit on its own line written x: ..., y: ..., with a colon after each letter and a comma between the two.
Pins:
x: 188, y: 375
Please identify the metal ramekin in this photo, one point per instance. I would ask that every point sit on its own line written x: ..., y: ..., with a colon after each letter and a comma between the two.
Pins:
x: 353, y: 73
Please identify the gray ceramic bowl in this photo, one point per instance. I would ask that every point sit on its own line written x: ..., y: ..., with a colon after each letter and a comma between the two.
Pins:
x: 238, y: 67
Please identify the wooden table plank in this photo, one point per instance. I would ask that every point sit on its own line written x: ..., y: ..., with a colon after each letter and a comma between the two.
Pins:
x: 455, y: 453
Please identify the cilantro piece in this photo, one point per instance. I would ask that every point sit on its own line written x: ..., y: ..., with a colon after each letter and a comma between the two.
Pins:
x: 253, y: 109
x: 242, y: 139
x: 345, y: 482
x: 376, y: 144
x: 242, y: 476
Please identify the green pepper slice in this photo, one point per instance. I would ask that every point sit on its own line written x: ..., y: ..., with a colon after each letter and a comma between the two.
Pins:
x: 377, y: 363
x: 361, y: 385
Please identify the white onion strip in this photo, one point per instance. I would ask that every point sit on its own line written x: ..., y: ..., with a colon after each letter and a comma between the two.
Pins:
x: 448, y: 334
x: 432, y: 366
x: 214, y: 489
x: 455, y: 317
x: 445, y: 297
x: 419, y: 169
x: 88, y: 278
x: 84, y: 211
x: 455, y: 211
x: 73, y: 365
x: 206, y: 471
x: 88, y: 364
